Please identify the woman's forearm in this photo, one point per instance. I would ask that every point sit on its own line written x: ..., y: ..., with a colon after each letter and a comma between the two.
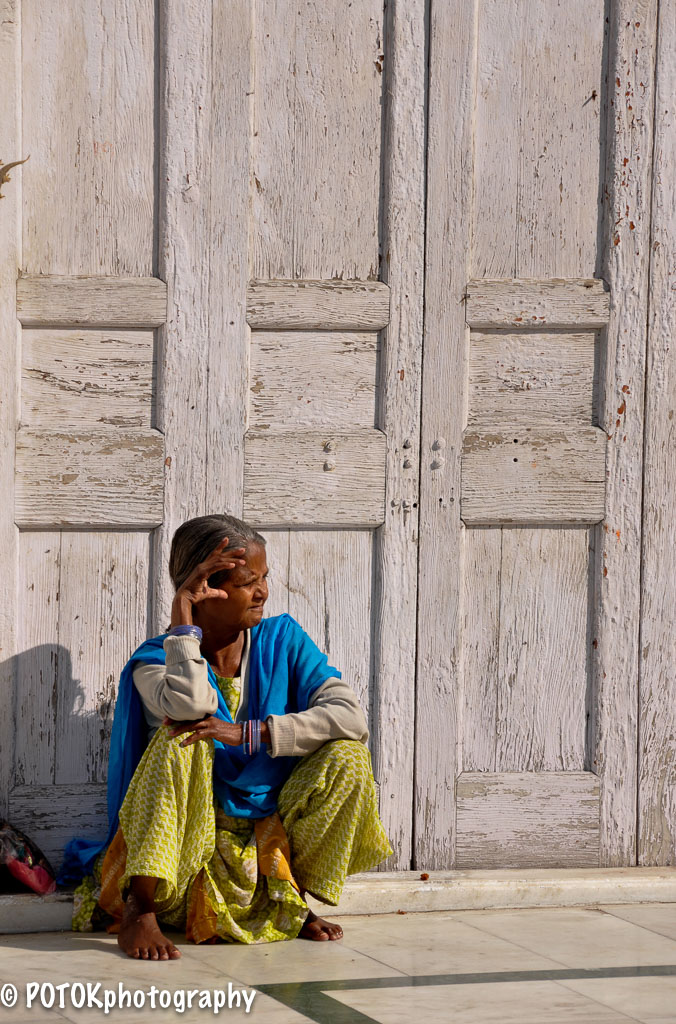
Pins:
x: 181, y: 612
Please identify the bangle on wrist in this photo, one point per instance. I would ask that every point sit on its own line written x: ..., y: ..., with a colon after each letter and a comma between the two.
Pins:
x: 187, y: 631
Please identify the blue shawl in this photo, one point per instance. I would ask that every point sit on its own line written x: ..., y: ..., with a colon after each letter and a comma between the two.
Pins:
x: 285, y: 668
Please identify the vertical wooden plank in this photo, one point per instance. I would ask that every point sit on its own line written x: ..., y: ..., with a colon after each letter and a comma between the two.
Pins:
x: 317, y: 139
x: 39, y: 657
x: 89, y: 115
x: 277, y: 554
x: 395, y: 543
x: 480, y: 625
x: 542, y: 681
x: 227, y: 243
x: 533, y: 206
x: 617, y: 559
x: 102, y: 619
x: 330, y: 595
x: 657, y: 726
x: 184, y: 157
x: 10, y: 133
x: 203, y: 235
x: 444, y: 400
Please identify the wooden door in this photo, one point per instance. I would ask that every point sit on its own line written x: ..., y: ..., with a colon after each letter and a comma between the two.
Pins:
x: 534, y: 359
x: 212, y: 301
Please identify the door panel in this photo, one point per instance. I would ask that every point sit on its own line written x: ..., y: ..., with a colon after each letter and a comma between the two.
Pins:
x: 516, y: 472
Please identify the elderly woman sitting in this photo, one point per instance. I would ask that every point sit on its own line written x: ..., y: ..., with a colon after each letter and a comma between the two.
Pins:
x: 239, y: 779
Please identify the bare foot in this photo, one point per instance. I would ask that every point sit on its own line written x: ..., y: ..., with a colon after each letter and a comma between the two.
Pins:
x: 140, y: 936
x: 318, y: 929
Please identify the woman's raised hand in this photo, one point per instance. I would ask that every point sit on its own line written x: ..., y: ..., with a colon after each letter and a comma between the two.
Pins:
x: 196, y: 588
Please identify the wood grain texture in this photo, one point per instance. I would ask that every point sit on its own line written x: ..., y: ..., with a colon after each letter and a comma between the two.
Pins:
x: 526, y: 692
x: 315, y: 478
x: 617, y: 543
x: 102, y: 619
x: 480, y: 601
x: 37, y: 660
x: 522, y: 819
x: 538, y: 133
x: 317, y: 137
x: 91, y: 301
x: 277, y: 555
x: 10, y: 254
x: 330, y: 595
x: 88, y: 123
x: 532, y: 474
x: 395, y: 551
x: 85, y: 597
x: 78, y: 378
x: 452, y: 57
x: 205, y: 100
x: 541, y: 685
x: 318, y: 305
x: 539, y: 378
x: 52, y: 815
x: 286, y: 390
x: 86, y: 477
x: 537, y: 304
x: 657, y: 655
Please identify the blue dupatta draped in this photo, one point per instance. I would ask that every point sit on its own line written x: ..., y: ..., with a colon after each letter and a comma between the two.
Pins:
x: 285, y: 669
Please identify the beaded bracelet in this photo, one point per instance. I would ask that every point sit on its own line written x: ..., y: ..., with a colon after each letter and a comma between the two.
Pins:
x: 187, y: 631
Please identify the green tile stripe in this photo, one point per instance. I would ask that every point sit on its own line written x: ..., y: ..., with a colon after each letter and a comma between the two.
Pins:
x: 311, y: 998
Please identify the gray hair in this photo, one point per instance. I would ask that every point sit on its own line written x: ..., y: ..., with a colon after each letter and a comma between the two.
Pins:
x: 197, y: 538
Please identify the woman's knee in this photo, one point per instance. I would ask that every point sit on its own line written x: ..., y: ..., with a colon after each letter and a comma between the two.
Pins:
x: 349, y: 758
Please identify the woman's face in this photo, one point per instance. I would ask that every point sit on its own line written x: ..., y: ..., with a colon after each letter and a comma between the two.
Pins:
x: 247, y: 590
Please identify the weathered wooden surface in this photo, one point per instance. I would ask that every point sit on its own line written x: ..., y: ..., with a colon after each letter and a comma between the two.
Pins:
x: 657, y: 654
x: 395, y: 554
x: 85, y: 601
x: 535, y: 377
x: 617, y: 543
x: 521, y: 189
x: 205, y: 103
x: 88, y: 87
x: 89, y: 477
x: 452, y: 56
x: 52, y: 815
x: 537, y: 135
x: 317, y: 140
x: 533, y: 475
x: 315, y: 478
x: 286, y: 390
x: 318, y: 305
x: 526, y: 666
x: 75, y: 378
x: 537, y: 304
x: 91, y: 301
x: 528, y: 819
x: 10, y: 133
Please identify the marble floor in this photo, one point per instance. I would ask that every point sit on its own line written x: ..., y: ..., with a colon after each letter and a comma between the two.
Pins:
x: 605, y: 965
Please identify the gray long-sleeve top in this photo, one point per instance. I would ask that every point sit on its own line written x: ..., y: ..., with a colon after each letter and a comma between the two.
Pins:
x: 180, y: 689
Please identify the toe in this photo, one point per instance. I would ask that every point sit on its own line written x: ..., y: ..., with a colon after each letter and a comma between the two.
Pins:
x: 144, y: 954
x: 163, y: 952
x: 174, y: 953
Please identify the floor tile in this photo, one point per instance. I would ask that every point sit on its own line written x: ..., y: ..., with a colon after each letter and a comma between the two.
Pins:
x: 576, y: 937
x: 538, y: 1002
x: 645, y: 999
x: 280, y: 962
x: 437, y: 944
x: 656, y: 917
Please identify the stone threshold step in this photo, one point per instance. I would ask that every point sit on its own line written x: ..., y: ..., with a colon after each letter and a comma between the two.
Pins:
x: 387, y: 892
